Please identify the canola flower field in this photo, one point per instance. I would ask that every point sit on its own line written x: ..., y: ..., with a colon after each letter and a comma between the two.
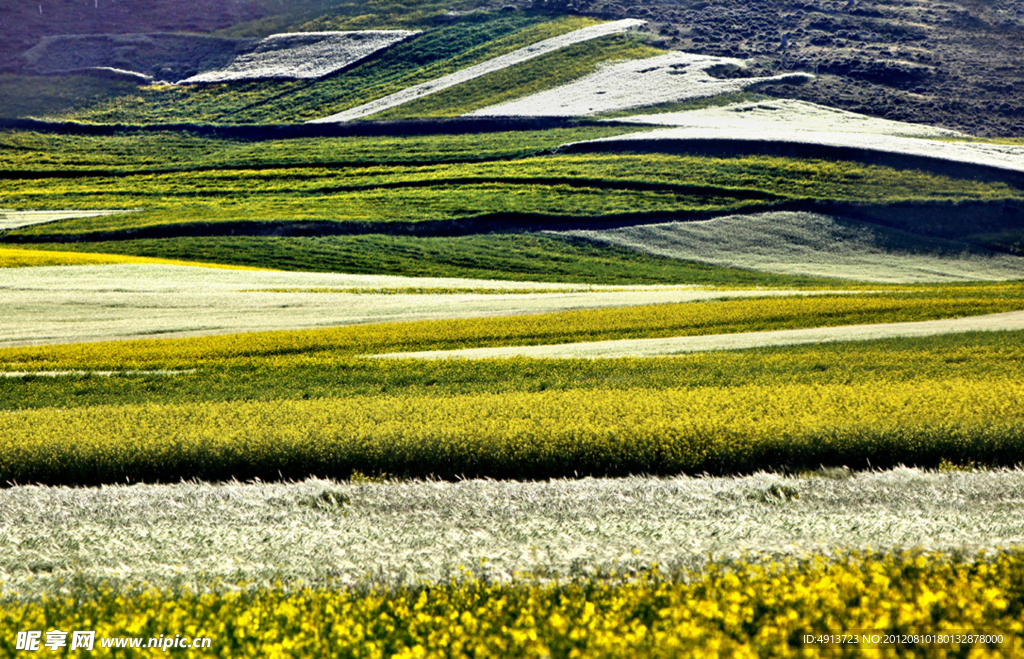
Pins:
x: 749, y: 609
x: 523, y: 435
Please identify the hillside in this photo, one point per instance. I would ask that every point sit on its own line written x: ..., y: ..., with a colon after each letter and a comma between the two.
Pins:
x: 952, y: 64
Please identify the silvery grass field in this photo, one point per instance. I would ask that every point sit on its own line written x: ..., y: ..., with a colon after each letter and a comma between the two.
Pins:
x: 416, y: 330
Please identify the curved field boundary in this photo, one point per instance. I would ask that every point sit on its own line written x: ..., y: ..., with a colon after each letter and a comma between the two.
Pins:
x: 504, y: 222
x: 490, y: 66
x: 261, y: 132
x: 1013, y: 320
x: 956, y: 159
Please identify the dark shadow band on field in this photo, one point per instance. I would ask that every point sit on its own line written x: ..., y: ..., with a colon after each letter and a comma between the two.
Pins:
x: 468, y: 226
x: 947, y: 220
x: 719, y: 147
x: 262, y: 132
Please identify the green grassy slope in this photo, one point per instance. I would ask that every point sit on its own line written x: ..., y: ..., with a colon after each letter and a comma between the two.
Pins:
x: 24, y: 96
x: 44, y: 154
x: 437, y: 52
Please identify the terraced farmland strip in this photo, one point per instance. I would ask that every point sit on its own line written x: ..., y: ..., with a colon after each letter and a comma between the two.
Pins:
x: 34, y: 153
x: 715, y: 317
x: 1003, y: 322
x: 813, y: 244
x: 524, y: 435
x: 124, y: 300
x: 496, y: 64
x: 554, y: 191
x: 136, y: 300
x: 501, y: 257
x: 304, y: 366
x: 12, y: 257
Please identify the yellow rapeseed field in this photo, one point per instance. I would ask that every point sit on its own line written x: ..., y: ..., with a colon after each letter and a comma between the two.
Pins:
x: 14, y: 257
x: 523, y: 434
x: 898, y: 605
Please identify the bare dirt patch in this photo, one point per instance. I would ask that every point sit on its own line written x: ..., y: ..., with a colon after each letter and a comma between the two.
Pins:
x: 633, y: 84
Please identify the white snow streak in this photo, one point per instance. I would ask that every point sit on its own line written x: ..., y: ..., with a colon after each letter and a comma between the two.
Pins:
x: 1001, y: 156
x: 784, y: 115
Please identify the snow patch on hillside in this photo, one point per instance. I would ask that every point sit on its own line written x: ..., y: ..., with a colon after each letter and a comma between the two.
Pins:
x: 632, y: 84
x: 809, y: 244
x: 302, y: 55
x: 490, y: 66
